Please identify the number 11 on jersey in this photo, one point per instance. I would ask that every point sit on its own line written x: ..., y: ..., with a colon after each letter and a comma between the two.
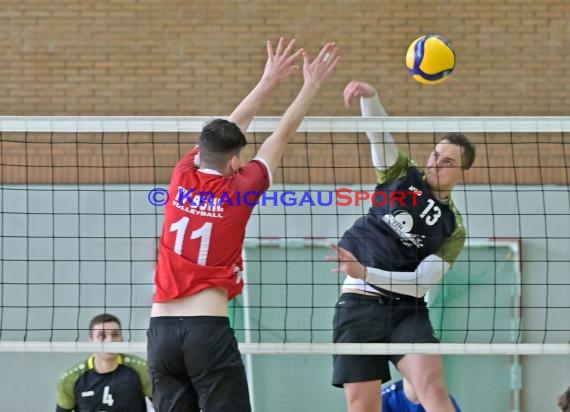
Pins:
x: 204, y: 233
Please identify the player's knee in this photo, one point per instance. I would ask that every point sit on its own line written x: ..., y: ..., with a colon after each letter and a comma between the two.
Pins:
x: 435, y: 391
x: 362, y: 397
x: 363, y: 405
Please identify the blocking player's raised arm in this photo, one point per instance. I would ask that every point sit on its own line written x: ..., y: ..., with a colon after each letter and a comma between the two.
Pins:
x: 281, y: 64
x: 315, y: 74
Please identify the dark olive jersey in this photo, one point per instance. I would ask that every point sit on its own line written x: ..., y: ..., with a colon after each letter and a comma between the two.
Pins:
x: 406, y: 223
x: 82, y: 389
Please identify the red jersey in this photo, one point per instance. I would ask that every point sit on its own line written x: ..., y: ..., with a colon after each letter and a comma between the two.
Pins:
x: 204, y: 228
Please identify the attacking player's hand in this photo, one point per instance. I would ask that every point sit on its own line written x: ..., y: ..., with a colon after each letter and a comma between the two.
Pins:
x: 356, y: 89
x: 282, y: 62
x: 348, y: 263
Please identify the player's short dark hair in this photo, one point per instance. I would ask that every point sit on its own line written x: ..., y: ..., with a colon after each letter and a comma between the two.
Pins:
x: 468, y: 148
x: 219, y: 141
x: 564, y: 400
x: 102, y: 318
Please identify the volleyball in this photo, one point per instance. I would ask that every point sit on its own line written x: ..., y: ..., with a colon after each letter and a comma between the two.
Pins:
x: 430, y: 59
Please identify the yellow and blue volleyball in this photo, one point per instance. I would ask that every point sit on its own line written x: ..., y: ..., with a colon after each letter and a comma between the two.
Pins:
x: 430, y: 59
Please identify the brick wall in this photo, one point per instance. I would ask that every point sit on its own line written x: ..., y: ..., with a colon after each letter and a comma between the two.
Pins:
x: 199, y: 57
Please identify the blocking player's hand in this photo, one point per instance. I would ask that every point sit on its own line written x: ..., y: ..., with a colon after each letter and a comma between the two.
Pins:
x: 356, y: 89
x: 348, y: 263
x: 316, y: 72
x: 281, y: 63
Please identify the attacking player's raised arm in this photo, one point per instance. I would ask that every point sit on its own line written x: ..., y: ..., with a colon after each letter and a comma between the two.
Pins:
x: 383, y: 149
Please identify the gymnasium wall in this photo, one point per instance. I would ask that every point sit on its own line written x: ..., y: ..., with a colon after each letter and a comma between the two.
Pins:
x: 199, y: 57
x: 178, y: 57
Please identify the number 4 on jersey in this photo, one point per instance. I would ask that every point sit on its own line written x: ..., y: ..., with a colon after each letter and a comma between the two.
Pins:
x: 107, y: 397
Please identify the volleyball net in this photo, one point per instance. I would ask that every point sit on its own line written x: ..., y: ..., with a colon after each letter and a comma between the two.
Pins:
x: 81, y: 214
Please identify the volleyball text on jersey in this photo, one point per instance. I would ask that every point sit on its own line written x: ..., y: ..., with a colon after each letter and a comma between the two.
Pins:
x: 200, y: 203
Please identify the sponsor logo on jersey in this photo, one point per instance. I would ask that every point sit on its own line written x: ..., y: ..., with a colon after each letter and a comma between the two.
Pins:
x: 401, y: 223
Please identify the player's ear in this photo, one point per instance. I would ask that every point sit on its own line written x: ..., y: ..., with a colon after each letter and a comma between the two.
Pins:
x: 234, y: 163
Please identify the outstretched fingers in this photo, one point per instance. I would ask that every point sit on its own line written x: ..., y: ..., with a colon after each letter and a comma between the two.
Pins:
x: 342, y: 255
x: 335, y: 258
x: 341, y: 258
x: 281, y: 63
x: 347, y: 263
x: 279, y: 50
x: 290, y: 46
x: 328, y: 55
x: 322, y: 66
x: 324, y: 54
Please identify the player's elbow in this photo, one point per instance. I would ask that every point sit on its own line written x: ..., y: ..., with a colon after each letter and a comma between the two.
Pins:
x: 425, y: 283
x: 417, y: 291
x: 430, y: 272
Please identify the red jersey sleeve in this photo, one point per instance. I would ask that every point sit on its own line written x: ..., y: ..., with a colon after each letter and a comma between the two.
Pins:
x: 190, y: 160
x: 254, y: 177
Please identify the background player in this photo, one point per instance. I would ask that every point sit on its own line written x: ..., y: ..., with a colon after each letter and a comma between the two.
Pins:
x: 105, y: 381
x: 401, y: 397
x: 564, y: 401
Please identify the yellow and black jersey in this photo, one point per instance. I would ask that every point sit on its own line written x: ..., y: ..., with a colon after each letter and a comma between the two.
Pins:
x: 406, y: 223
x: 82, y: 389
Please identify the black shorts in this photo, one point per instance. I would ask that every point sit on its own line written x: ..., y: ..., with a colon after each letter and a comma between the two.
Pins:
x: 194, y: 363
x: 376, y: 319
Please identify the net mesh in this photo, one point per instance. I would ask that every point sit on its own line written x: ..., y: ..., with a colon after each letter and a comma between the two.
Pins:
x: 79, y: 236
x: 79, y: 227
